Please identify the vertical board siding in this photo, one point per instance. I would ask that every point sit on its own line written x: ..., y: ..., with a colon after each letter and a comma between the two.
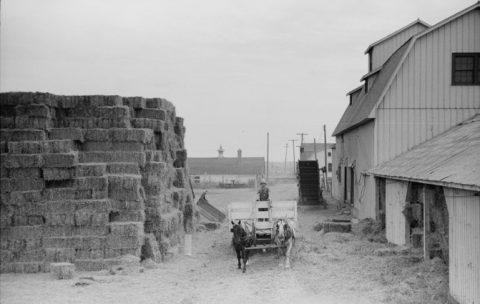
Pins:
x: 386, y: 48
x: 358, y: 146
x: 421, y: 101
x: 395, y: 199
x: 464, y: 245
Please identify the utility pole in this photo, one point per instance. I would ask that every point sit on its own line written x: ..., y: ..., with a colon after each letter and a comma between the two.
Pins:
x: 326, y: 164
x: 286, y: 149
x: 301, y: 134
x: 268, y: 147
x: 293, y: 147
x: 301, y: 144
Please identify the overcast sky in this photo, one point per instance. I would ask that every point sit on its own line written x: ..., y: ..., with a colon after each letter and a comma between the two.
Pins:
x: 235, y: 70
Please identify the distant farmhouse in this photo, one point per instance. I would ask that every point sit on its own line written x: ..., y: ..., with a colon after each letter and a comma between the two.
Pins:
x: 316, y: 151
x: 226, y: 171
x: 408, y: 144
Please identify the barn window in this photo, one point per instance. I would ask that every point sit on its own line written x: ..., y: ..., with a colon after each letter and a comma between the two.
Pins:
x: 329, y: 167
x: 466, y: 69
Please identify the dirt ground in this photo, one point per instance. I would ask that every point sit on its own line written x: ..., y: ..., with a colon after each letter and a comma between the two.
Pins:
x: 326, y: 268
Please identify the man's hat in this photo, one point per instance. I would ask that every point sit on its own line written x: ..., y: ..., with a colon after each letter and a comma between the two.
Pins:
x: 263, y: 182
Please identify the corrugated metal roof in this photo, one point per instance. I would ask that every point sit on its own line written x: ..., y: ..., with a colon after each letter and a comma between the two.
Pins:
x: 450, y: 159
x: 226, y: 165
x: 357, y: 113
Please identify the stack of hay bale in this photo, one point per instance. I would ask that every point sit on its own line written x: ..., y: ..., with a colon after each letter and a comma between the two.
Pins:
x: 88, y: 179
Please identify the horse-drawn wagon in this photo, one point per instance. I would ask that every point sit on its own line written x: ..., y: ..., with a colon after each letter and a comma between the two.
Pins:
x: 263, y: 225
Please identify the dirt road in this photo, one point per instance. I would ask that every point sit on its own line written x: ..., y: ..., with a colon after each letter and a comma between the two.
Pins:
x: 326, y: 268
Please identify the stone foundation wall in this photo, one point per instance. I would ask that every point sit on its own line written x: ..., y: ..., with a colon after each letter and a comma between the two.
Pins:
x: 88, y: 179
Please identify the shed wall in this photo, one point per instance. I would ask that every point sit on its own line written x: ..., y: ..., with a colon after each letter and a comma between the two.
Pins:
x: 464, y: 245
x: 395, y: 200
x: 421, y: 102
x: 356, y: 148
x: 385, y: 49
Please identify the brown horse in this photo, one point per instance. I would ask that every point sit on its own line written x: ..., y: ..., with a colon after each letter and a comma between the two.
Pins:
x: 242, y: 238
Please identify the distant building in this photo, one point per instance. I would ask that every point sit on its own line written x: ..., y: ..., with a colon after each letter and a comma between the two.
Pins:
x: 226, y: 170
x: 308, y: 150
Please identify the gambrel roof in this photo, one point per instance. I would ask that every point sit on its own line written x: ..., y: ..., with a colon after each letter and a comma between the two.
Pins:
x: 363, y: 109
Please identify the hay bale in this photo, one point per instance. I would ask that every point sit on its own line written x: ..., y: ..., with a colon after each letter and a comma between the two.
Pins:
x: 22, y: 161
x: 68, y: 102
x: 59, y: 219
x: 122, y: 252
x: 38, y: 110
x: 7, y: 122
x: 119, y: 242
x: 91, y: 182
x: 159, y: 103
x: 131, y: 229
x: 21, y: 198
x: 97, y: 135
x: 77, y: 242
x: 22, y: 135
x: 334, y: 227
x: 154, y: 156
x: 63, y: 231
x: 3, y: 172
x: 128, y: 206
x: 85, y: 217
x: 62, y: 160
x: 90, y: 264
x: 37, y: 147
x: 127, y: 216
x: 89, y: 254
x: 94, y: 122
x: 131, y: 135
x: 55, y: 194
x: 59, y: 255
x: 58, y: 173
x: 67, y: 133
x: 211, y: 226
x: 113, y: 157
x: 147, y: 123
x: 8, y: 185
x: 62, y: 270
x: 25, y: 173
x: 90, y: 170
x: 113, y: 146
x: 134, y: 102
x: 33, y: 122
x: 150, y: 113
x: 123, y: 168
x: 150, y: 249
x: 179, y: 180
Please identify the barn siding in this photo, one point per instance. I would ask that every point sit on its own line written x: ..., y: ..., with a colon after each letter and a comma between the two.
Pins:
x: 464, y: 245
x: 385, y: 49
x: 357, y: 148
x: 395, y: 200
x: 421, y: 102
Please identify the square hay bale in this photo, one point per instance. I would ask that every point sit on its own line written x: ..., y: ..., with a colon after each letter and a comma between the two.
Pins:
x: 87, y: 254
x: 179, y: 180
x: 91, y: 182
x: 159, y: 103
x: 154, y: 156
x: 29, y: 267
x: 113, y: 146
x: 57, y: 219
x: 123, y: 182
x: 63, y: 160
x: 77, y: 242
x: 3, y: 147
x: 118, y: 242
x: 131, y: 229
x: 150, y: 113
x: 126, y: 194
x: 56, y: 194
x: 22, y: 161
x: 134, y: 102
x: 337, y: 227
x: 90, y: 170
x: 67, y: 133
x: 137, y: 206
x: 12, y: 185
x: 22, y: 135
x: 3, y: 172
x: 33, y: 122
x: 123, y: 168
x: 90, y: 264
x: 131, y: 135
x: 36, y: 255
x: 113, y: 157
x: 62, y: 270
x: 147, y: 123
x: 7, y: 123
x: 28, y: 98
x: 112, y: 112
x: 117, y: 253
x: 25, y: 173
x: 97, y: 135
x: 60, y: 255
x: 151, y: 250
x: 23, y: 232
x: 181, y: 155
x: 58, y: 146
x: 26, y: 197
x: 90, y: 218
x: 62, y: 231
x: 26, y: 147
x: 127, y: 216
x: 6, y: 256
x: 58, y: 173
x: 38, y: 110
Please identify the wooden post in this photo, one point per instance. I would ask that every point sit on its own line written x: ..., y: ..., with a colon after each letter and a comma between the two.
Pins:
x: 315, y: 147
x: 326, y: 164
x: 268, y: 147
x: 293, y: 147
x: 426, y: 196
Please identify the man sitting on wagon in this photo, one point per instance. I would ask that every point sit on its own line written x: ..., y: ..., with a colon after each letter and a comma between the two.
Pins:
x: 264, y: 192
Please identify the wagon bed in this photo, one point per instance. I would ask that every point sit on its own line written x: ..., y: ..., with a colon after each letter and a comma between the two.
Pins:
x: 263, y: 217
